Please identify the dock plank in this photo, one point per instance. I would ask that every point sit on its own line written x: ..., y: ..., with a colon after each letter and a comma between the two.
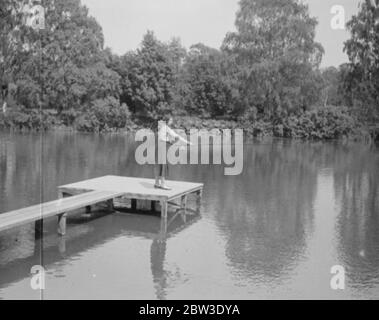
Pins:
x: 53, y: 208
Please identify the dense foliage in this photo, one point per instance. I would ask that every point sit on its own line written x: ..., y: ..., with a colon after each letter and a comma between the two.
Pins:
x: 148, y: 76
x: 104, y: 115
x: 277, y: 56
x: 265, y: 78
x: 362, y: 75
x: 207, y: 85
x: 61, y: 67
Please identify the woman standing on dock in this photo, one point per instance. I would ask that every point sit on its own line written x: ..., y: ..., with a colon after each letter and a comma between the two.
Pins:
x: 164, y: 139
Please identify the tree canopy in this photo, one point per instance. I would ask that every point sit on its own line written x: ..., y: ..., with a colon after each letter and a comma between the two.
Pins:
x: 362, y: 74
x: 64, y: 62
x: 275, y: 49
x: 265, y: 71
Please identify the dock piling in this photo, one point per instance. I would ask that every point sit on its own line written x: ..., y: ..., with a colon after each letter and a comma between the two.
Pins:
x: 62, y: 222
x: 163, y: 216
x: 38, y: 229
x: 110, y: 205
x: 62, y: 218
x: 183, y: 203
x: 134, y: 204
x: 153, y: 206
x: 199, y: 195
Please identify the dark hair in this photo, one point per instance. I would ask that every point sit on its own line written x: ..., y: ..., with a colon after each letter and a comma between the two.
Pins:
x: 155, y: 123
x: 164, y: 118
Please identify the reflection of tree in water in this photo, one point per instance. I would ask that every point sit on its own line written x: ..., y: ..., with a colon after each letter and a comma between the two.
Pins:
x: 66, y: 158
x: 20, y: 170
x: 357, y: 189
x: 266, y: 228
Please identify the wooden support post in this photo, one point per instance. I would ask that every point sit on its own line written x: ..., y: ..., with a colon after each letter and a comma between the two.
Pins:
x: 198, y: 200
x: 153, y: 206
x: 163, y: 209
x: 183, y: 208
x: 110, y: 205
x: 62, y: 222
x: 163, y: 218
x: 62, y: 218
x: 183, y: 204
x: 134, y: 204
x: 38, y: 229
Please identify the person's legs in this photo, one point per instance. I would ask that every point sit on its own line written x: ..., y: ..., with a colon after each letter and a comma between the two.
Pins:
x: 165, y: 170
x: 157, y: 174
x: 163, y: 177
x: 157, y: 166
x: 161, y: 168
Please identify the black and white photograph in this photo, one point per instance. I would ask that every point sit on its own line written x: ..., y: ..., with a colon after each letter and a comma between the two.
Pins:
x: 189, y: 150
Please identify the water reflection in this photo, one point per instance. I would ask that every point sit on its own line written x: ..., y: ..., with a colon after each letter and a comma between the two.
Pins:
x: 266, y: 228
x: 84, y: 236
x: 357, y: 188
x: 297, y: 209
x: 157, y: 254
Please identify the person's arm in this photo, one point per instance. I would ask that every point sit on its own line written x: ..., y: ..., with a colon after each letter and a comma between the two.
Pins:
x: 174, y: 135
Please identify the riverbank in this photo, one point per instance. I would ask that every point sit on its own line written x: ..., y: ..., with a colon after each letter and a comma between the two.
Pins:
x: 324, y: 123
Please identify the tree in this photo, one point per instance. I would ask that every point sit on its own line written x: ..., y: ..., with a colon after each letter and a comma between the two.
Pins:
x: 64, y: 62
x: 10, y: 20
x: 275, y: 50
x: 149, y: 76
x: 332, y: 91
x: 207, y: 83
x: 362, y: 77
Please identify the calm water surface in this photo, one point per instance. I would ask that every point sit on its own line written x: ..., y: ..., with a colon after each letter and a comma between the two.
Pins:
x: 273, y: 232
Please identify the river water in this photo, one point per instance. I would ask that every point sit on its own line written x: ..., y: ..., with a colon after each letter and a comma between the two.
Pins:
x: 273, y: 232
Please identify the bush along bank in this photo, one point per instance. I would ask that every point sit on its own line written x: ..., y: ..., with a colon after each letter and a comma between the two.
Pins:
x: 322, y: 123
x: 319, y: 124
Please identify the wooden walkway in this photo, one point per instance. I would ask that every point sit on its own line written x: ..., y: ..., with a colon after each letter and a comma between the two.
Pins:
x: 104, y: 189
x: 54, y: 208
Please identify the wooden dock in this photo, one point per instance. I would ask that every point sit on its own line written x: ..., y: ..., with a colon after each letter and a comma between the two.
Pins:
x: 86, y: 193
x: 139, y: 189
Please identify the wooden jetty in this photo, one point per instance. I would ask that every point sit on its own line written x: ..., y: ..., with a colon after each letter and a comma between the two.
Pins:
x: 139, y: 189
x: 86, y: 193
